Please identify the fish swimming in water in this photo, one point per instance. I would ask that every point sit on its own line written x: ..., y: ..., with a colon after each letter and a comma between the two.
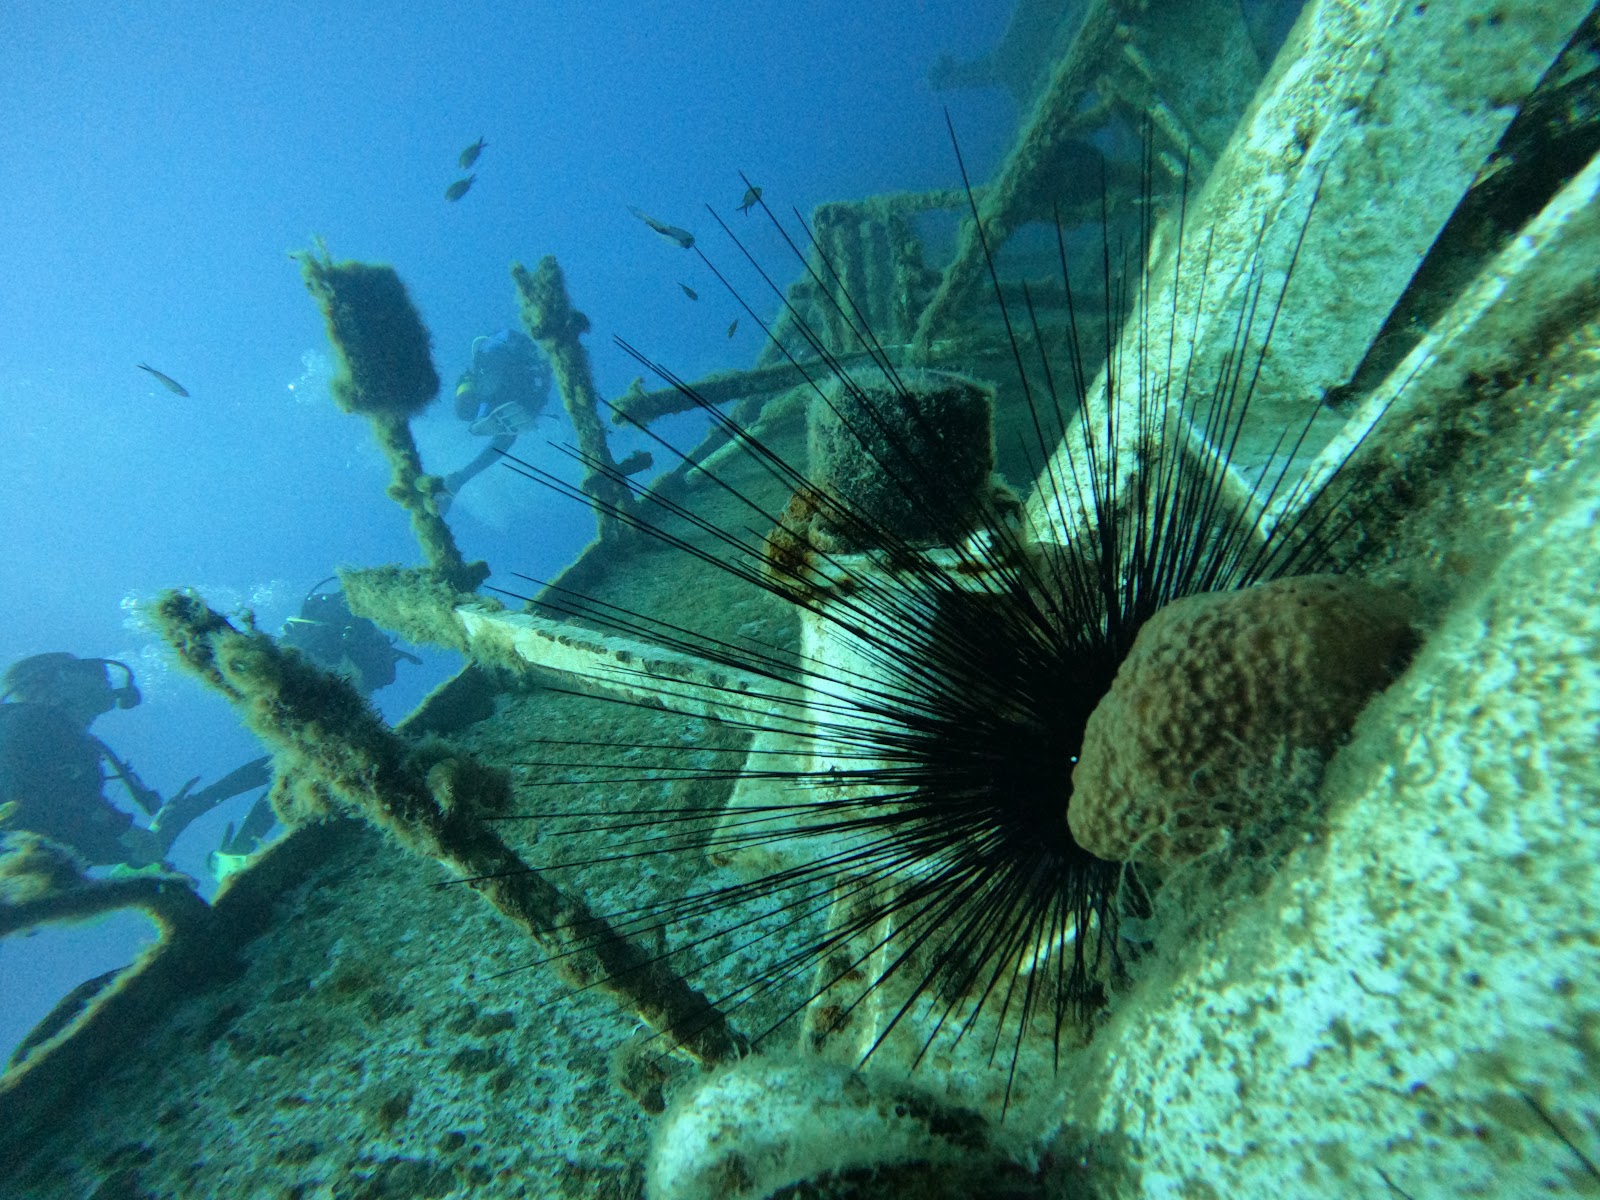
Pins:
x: 734, y: 326
x: 167, y: 381
x: 671, y: 232
x: 458, y: 189
x: 470, y: 154
x: 689, y: 291
x: 752, y: 194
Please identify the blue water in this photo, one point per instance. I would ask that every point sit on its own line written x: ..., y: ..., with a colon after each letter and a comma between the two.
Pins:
x: 160, y: 164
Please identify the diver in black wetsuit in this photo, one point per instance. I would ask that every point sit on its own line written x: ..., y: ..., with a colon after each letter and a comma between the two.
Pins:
x: 499, y: 395
x: 334, y: 638
x: 53, y: 770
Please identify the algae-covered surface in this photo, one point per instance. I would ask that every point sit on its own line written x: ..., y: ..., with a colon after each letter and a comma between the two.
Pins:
x: 365, y: 1046
x: 358, y: 1051
x: 390, y: 1035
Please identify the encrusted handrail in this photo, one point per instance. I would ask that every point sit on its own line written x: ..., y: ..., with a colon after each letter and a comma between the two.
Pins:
x: 326, y: 735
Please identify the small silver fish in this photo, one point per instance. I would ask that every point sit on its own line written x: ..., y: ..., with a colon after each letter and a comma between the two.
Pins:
x: 752, y: 195
x: 671, y: 232
x: 470, y: 154
x: 689, y: 291
x: 458, y: 189
x: 166, y: 381
x: 734, y: 326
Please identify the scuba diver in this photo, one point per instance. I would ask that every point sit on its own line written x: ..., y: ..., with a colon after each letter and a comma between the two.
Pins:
x: 51, y: 776
x: 334, y: 638
x: 53, y: 770
x: 500, y: 394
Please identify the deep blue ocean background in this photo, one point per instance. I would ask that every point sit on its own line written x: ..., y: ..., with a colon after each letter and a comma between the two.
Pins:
x: 160, y: 163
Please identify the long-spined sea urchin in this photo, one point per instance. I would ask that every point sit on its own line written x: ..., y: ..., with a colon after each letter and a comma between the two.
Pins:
x: 913, y: 754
